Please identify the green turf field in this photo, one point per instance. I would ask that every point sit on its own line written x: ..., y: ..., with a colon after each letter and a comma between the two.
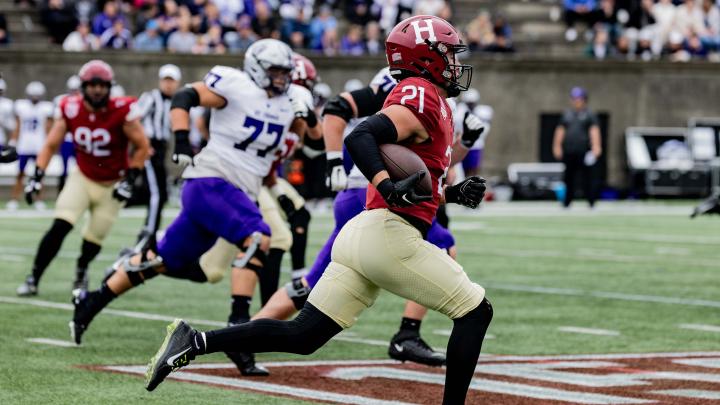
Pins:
x: 636, y: 271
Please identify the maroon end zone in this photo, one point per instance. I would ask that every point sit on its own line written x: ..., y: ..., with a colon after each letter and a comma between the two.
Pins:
x: 677, y: 378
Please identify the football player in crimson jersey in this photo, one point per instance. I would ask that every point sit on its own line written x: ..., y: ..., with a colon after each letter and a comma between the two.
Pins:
x: 384, y: 246
x: 102, y: 127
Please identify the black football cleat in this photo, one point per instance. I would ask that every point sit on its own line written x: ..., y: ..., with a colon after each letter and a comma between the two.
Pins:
x: 709, y: 206
x: 28, y: 288
x: 411, y: 347
x: 176, y: 351
x: 245, y: 362
x: 80, y: 320
x: 81, y: 280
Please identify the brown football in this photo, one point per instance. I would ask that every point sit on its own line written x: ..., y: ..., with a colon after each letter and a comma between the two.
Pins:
x: 401, y: 162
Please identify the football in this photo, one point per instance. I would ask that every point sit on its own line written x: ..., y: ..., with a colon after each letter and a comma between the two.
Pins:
x: 401, y: 162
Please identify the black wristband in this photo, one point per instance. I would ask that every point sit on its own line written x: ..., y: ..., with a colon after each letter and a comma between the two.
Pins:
x: 132, y: 174
x: 39, y: 173
x: 385, y: 188
x: 311, y: 119
x: 182, y: 136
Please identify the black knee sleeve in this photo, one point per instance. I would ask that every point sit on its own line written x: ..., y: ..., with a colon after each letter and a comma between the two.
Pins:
x: 269, y: 277
x: 192, y: 272
x: 340, y: 107
x: 301, y: 219
x: 299, y: 228
x: 298, y: 293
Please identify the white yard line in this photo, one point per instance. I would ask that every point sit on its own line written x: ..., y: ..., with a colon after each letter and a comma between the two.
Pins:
x: 694, y: 394
x: 602, y: 294
x: 588, y: 331
x: 700, y: 327
x: 296, y: 392
x: 52, y: 342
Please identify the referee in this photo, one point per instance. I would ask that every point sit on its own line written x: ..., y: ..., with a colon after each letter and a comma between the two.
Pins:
x: 154, y: 105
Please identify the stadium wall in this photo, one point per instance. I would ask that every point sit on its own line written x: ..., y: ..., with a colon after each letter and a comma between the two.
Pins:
x: 519, y: 89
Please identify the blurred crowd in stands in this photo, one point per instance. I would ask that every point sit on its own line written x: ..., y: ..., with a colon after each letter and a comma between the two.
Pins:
x: 646, y: 29
x: 329, y: 27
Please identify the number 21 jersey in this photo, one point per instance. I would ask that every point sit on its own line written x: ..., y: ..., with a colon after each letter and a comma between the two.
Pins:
x: 101, y: 147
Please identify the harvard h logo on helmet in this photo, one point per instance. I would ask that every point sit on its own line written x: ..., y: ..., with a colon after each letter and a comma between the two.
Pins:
x: 427, y: 46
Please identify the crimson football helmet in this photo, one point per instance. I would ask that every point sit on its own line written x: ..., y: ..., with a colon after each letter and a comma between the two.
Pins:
x: 426, y: 46
x: 304, y: 73
x: 96, y: 72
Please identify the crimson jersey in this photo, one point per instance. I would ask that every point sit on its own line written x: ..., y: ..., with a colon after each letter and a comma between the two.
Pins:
x: 422, y: 98
x: 101, y: 147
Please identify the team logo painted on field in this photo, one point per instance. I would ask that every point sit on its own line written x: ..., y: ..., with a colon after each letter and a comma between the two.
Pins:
x: 678, y: 378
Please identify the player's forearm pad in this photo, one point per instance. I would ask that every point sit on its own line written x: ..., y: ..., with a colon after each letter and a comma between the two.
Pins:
x: 185, y: 98
x: 363, y: 141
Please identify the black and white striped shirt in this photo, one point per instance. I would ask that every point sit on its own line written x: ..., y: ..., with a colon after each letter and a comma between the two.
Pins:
x: 155, y: 109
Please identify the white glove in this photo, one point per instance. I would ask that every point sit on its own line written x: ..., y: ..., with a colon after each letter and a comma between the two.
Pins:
x: 590, y: 158
x: 183, y: 160
x: 336, y: 178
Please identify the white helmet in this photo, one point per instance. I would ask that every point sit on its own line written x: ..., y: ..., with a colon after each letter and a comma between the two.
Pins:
x: 322, y: 90
x: 35, y: 90
x: 263, y: 55
x: 470, y: 96
x: 117, y: 91
x: 73, y: 83
x: 3, y: 85
x: 353, y: 84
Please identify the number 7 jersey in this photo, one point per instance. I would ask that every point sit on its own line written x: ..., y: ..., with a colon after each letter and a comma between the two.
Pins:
x: 245, y: 134
x: 101, y: 147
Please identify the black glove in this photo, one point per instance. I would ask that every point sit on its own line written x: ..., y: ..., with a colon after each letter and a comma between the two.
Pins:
x: 32, y: 189
x: 469, y: 192
x: 473, y: 127
x: 9, y: 154
x: 287, y: 205
x: 303, y: 111
x: 402, y: 193
x: 183, y: 154
x: 124, y: 188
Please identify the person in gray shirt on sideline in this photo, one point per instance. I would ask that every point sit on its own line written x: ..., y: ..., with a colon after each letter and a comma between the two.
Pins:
x: 578, y: 145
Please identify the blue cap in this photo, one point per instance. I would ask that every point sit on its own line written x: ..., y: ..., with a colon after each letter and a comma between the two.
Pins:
x: 578, y: 92
x: 152, y: 25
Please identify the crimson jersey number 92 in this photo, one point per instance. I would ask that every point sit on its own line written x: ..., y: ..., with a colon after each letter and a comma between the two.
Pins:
x: 93, y: 141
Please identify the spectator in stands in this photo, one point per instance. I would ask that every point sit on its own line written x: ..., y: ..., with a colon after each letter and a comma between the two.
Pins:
x: 577, y: 143
x: 105, y: 20
x: 641, y: 14
x: 374, y: 43
x: 579, y: 10
x: 689, y: 19
x: 694, y: 47
x: 59, y: 18
x: 675, y: 48
x: 664, y: 13
x: 600, y: 47
x: 117, y: 36
x: 358, y: 11
x: 330, y: 45
x: 319, y: 24
x: 4, y: 37
x: 240, y: 40
x: 182, y: 40
x: 147, y: 11
x: 480, y: 32
x: 352, y: 42
x: 81, y: 40
x: 264, y: 23
x: 295, y: 27
x: 502, y: 36
x: 168, y: 19
x: 429, y: 7
x: 210, y: 17
x: 229, y: 11
x: 711, y: 22
x: 149, y: 40
x: 211, y: 42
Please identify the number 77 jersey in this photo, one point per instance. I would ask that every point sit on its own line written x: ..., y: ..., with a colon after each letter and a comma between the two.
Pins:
x: 101, y: 147
x: 245, y: 134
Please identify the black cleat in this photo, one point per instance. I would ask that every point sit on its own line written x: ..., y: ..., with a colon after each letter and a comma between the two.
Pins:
x: 245, y: 362
x: 709, y: 206
x: 176, y: 351
x: 411, y: 347
x: 27, y: 288
x: 79, y: 323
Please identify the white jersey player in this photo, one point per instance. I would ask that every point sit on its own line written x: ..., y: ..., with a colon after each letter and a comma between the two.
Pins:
x: 33, y: 119
x: 251, y: 111
x: 7, y: 118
